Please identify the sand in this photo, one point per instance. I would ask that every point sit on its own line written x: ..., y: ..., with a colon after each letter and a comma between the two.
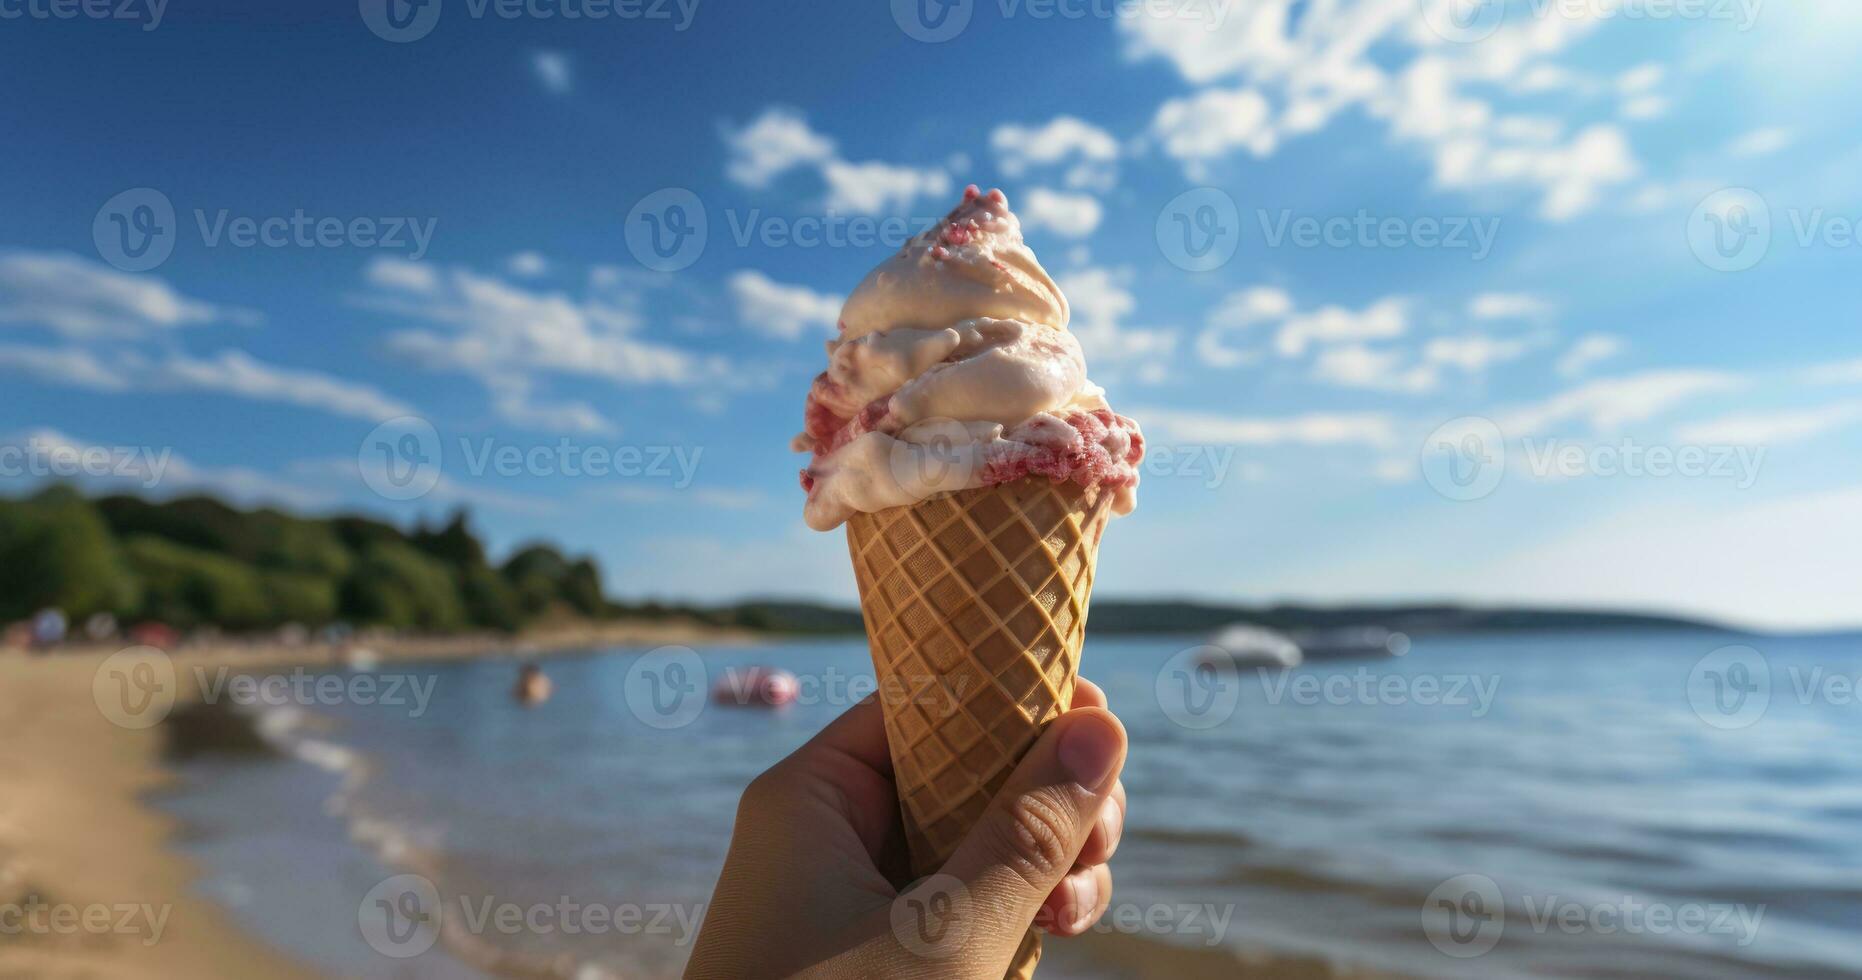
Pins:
x: 75, y: 833
x: 77, y: 837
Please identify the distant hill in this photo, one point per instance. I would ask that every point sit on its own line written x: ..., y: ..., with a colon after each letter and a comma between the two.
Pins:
x: 1139, y: 616
x: 196, y: 562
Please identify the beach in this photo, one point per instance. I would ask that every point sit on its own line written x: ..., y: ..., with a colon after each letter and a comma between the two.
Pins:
x: 77, y: 832
x: 1309, y: 851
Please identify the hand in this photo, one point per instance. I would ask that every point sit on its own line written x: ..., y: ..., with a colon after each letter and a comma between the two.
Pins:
x: 811, y: 884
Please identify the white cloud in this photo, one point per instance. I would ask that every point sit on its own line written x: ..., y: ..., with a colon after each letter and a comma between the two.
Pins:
x: 1762, y: 142
x: 1644, y: 107
x: 877, y: 188
x: 1214, y: 121
x: 1474, y: 352
x: 402, y: 275
x: 552, y: 68
x: 510, y: 337
x: 230, y: 372
x: 80, y: 298
x: 780, y: 140
x: 1238, y: 311
x: 1290, y: 74
x: 1100, y: 301
x: 1359, y: 366
x: 1383, y: 320
x: 72, y: 366
x: 1771, y: 428
x: 1063, y: 140
x: 1609, y: 403
x: 236, y: 373
x: 1318, y: 429
x: 1589, y: 350
x: 527, y: 265
x: 1067, y: 215
x: 1507, y: 306
x: 774, y: 143
x: 779, y: 310
x: 1841, y: 372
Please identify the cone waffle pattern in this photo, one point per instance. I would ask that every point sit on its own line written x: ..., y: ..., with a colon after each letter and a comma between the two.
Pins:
x: 975, y: 607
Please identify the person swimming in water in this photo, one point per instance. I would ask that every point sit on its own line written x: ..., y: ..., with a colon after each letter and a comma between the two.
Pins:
x: 533, y: 686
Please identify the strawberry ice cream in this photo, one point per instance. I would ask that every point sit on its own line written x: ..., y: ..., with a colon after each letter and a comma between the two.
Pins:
x: 954, y: 369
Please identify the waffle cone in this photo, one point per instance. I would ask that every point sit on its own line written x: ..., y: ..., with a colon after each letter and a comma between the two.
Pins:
x: 975, y: 607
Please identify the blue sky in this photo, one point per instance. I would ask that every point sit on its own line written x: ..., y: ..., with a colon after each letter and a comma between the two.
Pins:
x: 1499, y: 228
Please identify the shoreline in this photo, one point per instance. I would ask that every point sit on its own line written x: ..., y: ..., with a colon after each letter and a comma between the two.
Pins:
x: 77, y: 830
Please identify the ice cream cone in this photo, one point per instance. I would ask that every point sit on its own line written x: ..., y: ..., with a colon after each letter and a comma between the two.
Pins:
x: 975, y: 605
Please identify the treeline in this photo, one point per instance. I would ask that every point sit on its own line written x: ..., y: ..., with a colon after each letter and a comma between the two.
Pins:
x: 195, y: 562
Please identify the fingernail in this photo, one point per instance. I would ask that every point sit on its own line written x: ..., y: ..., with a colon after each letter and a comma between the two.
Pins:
x: 1085, y: 890
x: 1114, y: 820
x: 1089, y: 748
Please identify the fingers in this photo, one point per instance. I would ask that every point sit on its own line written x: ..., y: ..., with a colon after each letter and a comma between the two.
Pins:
x: 860, y: 734
x: 1086, y: 694
x: 1102, y: 843
x: 1034, y: 831
x: 1077, y: 902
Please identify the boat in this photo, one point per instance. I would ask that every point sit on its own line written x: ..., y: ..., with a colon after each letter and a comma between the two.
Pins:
x: 755, y: 687
x: 1248, y: 645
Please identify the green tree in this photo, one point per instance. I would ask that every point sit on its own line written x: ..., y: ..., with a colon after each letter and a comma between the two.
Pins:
x: 55, y: 551
x: 189, y: 587
x: 397, y: 585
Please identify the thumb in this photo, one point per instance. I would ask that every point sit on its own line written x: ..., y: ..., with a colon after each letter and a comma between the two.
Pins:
x: 1034, y: 829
